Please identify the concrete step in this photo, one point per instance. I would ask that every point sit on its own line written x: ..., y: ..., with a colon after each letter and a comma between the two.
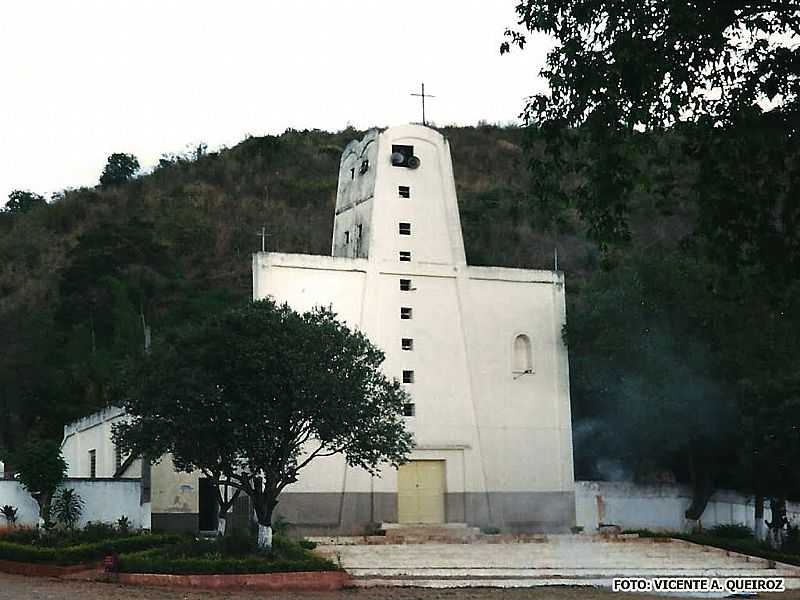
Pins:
x: 406, y: 533
x: 561, y: 560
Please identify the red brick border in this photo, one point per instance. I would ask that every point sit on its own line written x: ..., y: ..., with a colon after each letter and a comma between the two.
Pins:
x: 302, y: 581
x: 41, y: 569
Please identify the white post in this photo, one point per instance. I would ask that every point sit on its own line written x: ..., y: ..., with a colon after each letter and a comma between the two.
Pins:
x: 221, y: 523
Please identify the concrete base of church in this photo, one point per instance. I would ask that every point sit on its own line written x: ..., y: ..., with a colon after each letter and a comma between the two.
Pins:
x: 359, y: 513
x: 177, y: 522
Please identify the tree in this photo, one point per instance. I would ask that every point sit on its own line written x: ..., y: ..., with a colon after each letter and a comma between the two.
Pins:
x: 41, y: 469
x: 638, y: 89
x: 647, y: 392
x: 119, y: 169
x: 658, y: 62
x: 266, y: 390
x: 20, y: 201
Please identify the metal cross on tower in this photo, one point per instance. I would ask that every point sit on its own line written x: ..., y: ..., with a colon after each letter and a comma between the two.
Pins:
x: 423, y: 95
x: 264, y: 235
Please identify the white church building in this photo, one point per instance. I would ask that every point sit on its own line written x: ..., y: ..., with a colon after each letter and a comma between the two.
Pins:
x: 479, y: 349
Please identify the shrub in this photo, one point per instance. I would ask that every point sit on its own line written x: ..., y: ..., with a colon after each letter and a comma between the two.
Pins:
x: 67, y: 507
x: 9, y: 514
x: 141, y: 563
x: 123, y: 525
x: 307, y: 544
x: 21, y: 535
x: 731, y: 532
x: 791, y: 544
x: 95, y: 532
x: 68, y: 555
x: 227, y: 555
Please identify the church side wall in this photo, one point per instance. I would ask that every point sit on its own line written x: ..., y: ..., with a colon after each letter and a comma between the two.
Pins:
x: 523, y: 417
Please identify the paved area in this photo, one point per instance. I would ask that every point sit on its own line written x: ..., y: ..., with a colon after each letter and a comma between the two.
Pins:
x: 570, y: 560
x: 13, y: 587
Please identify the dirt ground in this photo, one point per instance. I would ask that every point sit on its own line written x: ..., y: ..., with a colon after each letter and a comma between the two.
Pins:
x: 14, y: 587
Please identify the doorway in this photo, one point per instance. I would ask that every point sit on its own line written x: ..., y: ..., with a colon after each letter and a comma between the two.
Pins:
x: 207, y: 500
x: 420, y: 491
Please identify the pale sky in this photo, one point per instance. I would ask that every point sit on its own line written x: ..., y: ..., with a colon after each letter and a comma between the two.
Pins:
x: 81, y: 79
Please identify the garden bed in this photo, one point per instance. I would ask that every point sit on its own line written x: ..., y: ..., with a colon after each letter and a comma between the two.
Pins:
x: 739, y: 540
x: 53, y: 553
x: 234, y: 555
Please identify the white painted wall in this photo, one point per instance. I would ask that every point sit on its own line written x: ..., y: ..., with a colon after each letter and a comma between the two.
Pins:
x: 104, y: 501
x: 661, y: 507
x: 94, y: 433
x: 12, y: 493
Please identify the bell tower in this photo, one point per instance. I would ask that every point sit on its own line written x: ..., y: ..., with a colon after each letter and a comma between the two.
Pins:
x: 396, y: 199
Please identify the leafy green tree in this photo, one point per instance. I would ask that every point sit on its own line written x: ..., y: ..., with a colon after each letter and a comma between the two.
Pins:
x: 21, y: 201
x: 41, y: 469
x: 268, y: 391
x: 638, y: 93
x: 647, y: 392
x: 119, y: 169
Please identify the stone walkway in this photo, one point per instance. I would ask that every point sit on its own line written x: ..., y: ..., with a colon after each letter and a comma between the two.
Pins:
x: 560, y: 560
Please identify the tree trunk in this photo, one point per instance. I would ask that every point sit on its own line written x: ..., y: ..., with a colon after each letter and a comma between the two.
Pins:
x: 702, y: 487
x: 221, y: 525
x: 758, y: 524
x: 264, y: 537
x: 265, y: 503
x: 224, y: 504
x: 777, y: 527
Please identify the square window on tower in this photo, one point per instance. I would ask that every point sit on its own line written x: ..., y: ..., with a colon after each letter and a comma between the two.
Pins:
x: 407, y: 344
x: 404, y: 228
x: 405, y: 256
x: 404, y: 191
x: 409, y: 410
x: 408, y: 376
x: 405, y: 312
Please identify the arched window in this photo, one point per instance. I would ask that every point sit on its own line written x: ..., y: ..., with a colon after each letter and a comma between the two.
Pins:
x: 522, y: 355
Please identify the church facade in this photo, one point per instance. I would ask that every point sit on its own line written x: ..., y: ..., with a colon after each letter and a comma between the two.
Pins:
x: 479, y: 349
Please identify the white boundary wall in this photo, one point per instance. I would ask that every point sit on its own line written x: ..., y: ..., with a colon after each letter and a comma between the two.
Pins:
x: 661, y: 507
x: 105, y: 500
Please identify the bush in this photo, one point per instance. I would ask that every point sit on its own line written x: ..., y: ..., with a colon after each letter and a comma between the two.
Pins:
x: 123, y: 525
x: 731, y: 532
x: 67, y: 507
x: 307, y: 544
x: 226, y: 555
x: 9, y: 514
x: 69, y: 555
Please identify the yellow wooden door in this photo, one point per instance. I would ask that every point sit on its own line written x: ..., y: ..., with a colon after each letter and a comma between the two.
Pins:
x: 420, y: 492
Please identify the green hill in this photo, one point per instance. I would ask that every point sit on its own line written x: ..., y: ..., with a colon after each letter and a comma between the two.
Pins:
x: 81, y: 277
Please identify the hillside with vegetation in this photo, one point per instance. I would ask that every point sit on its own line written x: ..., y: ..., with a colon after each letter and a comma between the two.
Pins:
x: 86, y: 275
x: 682, y: 363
